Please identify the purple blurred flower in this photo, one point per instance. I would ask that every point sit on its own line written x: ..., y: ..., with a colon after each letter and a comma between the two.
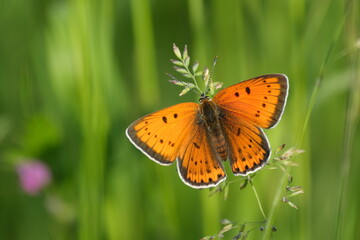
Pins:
x: 34, y: 176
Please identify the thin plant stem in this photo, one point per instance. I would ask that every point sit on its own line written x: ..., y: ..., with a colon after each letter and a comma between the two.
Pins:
x: 257, y: 197
x: 351, y: 121
x: 311, y: 104
x: 192, y: 76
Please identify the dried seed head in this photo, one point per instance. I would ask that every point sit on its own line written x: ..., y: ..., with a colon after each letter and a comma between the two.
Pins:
x: 217, y: 85
x: 294, y: 188
x: 225, y: 221
x: 290, y: 179
x: 281, y: 147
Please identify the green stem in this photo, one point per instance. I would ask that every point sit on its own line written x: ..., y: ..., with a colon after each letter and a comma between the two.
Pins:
x: 191, y: 74
x: 257, y: 197
x: 310, y: 107
x: 352, y: 117
x: 351, y: 121
x: 275, y: 204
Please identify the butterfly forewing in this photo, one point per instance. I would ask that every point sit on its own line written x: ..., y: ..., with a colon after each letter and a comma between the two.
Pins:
x: 259, y: 100
x: 177, y: 133
x: 160, y: 135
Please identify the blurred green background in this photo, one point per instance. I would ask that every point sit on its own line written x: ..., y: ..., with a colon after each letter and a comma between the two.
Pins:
x: 75, y: 74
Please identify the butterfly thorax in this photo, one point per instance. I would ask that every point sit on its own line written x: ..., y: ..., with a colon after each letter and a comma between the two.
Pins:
x: 209, y: 116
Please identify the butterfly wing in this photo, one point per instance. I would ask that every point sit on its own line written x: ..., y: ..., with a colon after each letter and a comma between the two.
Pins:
x: 177, y: 132
x: 245, y: 108
x: 248, y: 147
x: 198, y: 164
x: 259, y: 100
x: 159, y: 135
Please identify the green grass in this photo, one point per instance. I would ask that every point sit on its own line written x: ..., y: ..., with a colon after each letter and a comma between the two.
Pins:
x: 75, y: 74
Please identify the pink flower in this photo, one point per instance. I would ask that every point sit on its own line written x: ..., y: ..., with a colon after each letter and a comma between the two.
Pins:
x: 34, y: 176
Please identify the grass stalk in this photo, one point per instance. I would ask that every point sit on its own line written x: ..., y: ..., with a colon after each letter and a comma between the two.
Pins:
x: 93, y: 117
x: 310, y: 107
x: 145, y: 59
x: 351, y: 122
x: 257, y: 197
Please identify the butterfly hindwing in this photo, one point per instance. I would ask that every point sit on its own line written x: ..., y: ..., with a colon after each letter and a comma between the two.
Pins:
x: 198, y: 164
x: 259, y: 100
x: 248, y: 147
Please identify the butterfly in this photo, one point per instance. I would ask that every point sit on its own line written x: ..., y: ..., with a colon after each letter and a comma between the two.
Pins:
x: 200, y: 136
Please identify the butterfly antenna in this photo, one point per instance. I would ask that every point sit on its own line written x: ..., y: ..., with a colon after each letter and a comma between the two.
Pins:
x: 195, y: 90
x: 210, y: 76
x: 213, y: 66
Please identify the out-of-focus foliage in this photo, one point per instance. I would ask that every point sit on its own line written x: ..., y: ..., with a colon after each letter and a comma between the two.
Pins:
x: 75, y: 74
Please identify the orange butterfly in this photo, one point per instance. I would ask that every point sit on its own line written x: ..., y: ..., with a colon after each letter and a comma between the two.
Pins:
x: 200, y: 136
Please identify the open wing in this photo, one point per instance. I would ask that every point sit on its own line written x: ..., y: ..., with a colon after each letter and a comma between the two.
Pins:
x: 159, y: 135
x: 259, y: 100
x: 177, y: 133
x: 248, y: 147
x: 198, y: 164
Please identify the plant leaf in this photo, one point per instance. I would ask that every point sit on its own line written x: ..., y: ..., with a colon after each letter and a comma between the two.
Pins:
x: 177, y: 82
x: 195, y: 67
x: 183, y: 92
x: 187, y: 61
x: 177, y: 62
x: 206, y: 76
x: 180, y: 70
x: 185, y: 53
x: 176, y: 51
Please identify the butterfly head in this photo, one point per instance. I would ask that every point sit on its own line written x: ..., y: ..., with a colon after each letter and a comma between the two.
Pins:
x: 203, y: 97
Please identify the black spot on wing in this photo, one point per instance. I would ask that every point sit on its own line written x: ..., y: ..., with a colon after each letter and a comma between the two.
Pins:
x: 164, y: 119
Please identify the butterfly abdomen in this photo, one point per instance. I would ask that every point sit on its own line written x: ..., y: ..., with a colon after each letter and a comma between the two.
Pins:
x: 218, y: 142
x: 210, y: 118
